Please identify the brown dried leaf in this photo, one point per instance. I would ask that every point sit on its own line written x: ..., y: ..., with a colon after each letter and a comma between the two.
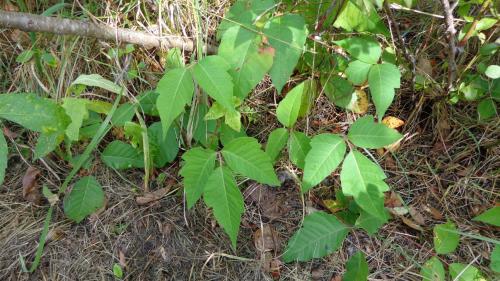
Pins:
x: 31, y: 189
x: 393, y: 200
x: 417, y: 216
x: 152, y: 196
x: 123, y: 262
x: 424, y: 66
x: 435, y: 213
x: 265, y: 239
x: 412, y: 224
x: 8, y: 133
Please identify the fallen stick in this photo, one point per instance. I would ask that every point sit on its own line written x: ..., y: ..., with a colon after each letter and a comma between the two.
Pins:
x: 36, y: 23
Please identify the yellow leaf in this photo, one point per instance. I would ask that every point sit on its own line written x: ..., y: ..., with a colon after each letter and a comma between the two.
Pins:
x: 332, y: 205
x: 393, y: 122
x: 359, y: 103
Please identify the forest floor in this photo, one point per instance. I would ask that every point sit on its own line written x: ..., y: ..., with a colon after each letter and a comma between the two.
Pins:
x: 446, y: 168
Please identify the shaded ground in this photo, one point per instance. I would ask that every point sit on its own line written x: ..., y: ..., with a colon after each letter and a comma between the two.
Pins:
x: 447, y: 168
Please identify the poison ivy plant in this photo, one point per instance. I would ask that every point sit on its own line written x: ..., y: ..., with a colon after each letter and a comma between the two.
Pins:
x: 433, y: 270
x: 491, y: 216
x: 356, y: 268
x: 320, y: 235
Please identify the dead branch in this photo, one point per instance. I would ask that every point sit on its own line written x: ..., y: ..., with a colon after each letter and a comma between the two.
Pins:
x: 452, y: 65
x: 36, y: 23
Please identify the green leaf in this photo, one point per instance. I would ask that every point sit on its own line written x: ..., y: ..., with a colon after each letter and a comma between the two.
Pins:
x: 486, y: 109
x: 495, y: 259
x: 491, y: 216
x: 117, y: 271
x: 370, y: 222
x: 357, y: 72
x: 164, y: 147
x: 320, y: 235
x: 383, y: 78
x: 4, y: 157
x: 147, y: 103
x: 249, y: 62
x: 99, y: 106
x: 325, y: 155
x: 493, y: 71
x: 363, y: 179
x: 338, y: 90
x: 288, y: 109
x: 223, y: 196
x: 445, y: 238
x: 76, y: 109
x: 46, y: 143
x: 232, y: 118
x: 227, y: 134
x: 482, y: 24
x: 33, y: 112
x: 356, y: 268
x: 211, y: 74
x: 245, y: 156
x: 96, y: 80
x: 433, y: 270
x: 198, y: 165
x: 298, y: 147
x: 276, y: 142
x: 363, y: 48
x: 133, y: 132
x: 244, y: 13
x: 85, y: 198
x: 368, y: 134
x: 310, y: 93
x: 176, y: 89
x: 352, y: 18
x: 465, y: 272
x: 287, y: 35
x: 123, y: 114
x: 119, y: 155
x: 25, y: 56
x: 174, y: 59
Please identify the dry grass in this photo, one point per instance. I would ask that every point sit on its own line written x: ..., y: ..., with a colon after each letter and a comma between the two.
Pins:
x: 450, y: 167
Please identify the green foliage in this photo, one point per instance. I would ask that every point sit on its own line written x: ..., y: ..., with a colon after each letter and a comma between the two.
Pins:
x: 117, y: 271
x: 298, y: 147
x: 338, y: 90
x: 491, y: 216
x: 365, y: 49
x: 287, y: 35
x: 288, y: 109
x: 198, y: 166
x: 493, y: 71
x: 465, y: 272
x: 326, y: 153
x: 119, y: 155
x: 320, y: 235
x: 364, y: 181
x: 357, y: 72
x: 495, y: 259
x: 85, y: 198
x: 34, y: 113
x: 383, y: 79
x: 433, y: 270
x: 175, y: 90
x: 445, y: 238
x: 124, y: 113
x: 356, y: 268
x: 164, y: 147
x: 211, y: 74
x: 96, y: 80
x: 353, y: 18
x: 368, y: 134
x: 223, y: 196
x: 276, y: 142
x: 77, y: 111
x: 245, y: 156
x: 4, y: 157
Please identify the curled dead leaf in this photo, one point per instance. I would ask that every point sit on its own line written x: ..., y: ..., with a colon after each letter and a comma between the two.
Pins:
x: 152, y: 196
x: 435, y: 213
x: 359, y: 103
x: 392, y: 122
x: 31, y: 189
x: 412, y: 224
x: 417, y: 216
x: 265, y: 239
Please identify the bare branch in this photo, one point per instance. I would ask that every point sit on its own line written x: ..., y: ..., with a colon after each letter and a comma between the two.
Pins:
x: 36, y: 23
x: 452, y: 49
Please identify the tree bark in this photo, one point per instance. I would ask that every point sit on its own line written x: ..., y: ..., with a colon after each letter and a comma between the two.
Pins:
x: 36, y: 23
